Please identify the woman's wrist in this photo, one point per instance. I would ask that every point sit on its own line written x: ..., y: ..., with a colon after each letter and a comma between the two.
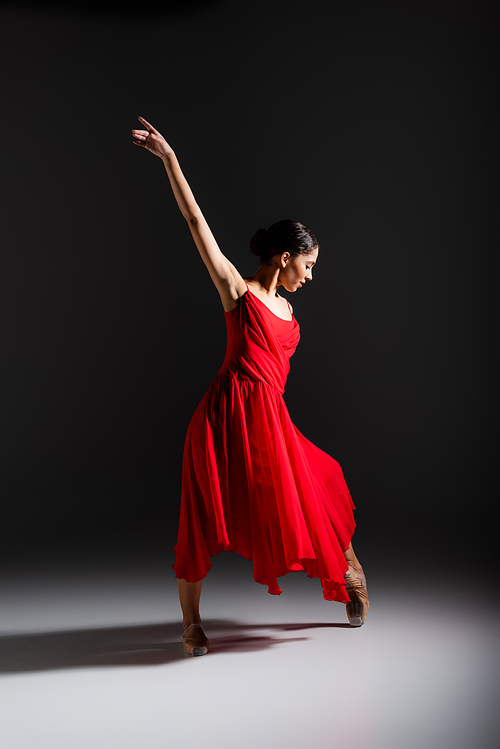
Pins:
x: 168, y: 158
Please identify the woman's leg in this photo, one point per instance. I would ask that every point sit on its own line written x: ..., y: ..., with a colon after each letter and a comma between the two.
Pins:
x: 352, y: 559
x: 194, y: 638
x: 357, y: 608
x: 189, y: 596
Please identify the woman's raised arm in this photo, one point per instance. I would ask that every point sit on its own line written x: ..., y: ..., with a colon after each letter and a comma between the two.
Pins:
x: 226, y: 278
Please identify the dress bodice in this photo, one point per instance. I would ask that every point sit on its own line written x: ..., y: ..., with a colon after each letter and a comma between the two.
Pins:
x: 259, y: 343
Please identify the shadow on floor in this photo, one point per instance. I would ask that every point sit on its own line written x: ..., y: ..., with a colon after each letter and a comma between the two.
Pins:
x: 139, y: 645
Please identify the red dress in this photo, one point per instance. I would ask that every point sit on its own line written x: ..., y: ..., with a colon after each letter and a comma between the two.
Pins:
x: 251, y: 482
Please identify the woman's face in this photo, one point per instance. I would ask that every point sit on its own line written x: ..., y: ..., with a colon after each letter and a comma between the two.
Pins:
x: 295, y: 271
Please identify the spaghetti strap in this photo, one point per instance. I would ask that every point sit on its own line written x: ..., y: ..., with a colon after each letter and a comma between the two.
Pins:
x: 286, y: 300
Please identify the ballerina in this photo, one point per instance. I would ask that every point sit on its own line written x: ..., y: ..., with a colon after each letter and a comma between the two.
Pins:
x: 251, y: 482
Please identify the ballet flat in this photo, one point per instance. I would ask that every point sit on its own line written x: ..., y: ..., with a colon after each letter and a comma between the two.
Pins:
x: 196, y: 642
x: 358, y: 606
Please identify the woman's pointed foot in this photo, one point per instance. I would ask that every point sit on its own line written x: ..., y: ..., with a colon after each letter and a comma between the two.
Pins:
x: 358, y: 606
x: 194, y: 640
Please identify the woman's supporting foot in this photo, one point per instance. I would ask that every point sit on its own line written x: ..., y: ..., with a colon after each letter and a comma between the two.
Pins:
x: 358, y: 606
x: 194, y: 640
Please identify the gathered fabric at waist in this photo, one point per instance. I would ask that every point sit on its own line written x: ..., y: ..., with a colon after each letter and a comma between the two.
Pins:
x: 239, y: 377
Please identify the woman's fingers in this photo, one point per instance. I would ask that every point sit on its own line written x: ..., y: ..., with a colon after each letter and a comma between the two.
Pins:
x: 150, y: 139
x: 148, y: 125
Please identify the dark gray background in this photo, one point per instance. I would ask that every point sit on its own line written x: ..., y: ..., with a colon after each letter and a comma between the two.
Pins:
x: 369, y: 121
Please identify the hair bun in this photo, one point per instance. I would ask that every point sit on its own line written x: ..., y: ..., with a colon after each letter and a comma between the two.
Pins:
x: 285, y: 236
x: 258, y: 243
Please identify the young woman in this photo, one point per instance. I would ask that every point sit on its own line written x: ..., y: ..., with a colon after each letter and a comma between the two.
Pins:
x: 251, y: 482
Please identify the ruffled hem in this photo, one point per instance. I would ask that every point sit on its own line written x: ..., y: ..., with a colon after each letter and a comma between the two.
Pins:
x: 333, y: 590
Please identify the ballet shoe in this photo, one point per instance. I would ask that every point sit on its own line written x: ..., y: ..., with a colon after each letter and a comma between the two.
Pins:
x: 358, y: 606
x: 194, y: 640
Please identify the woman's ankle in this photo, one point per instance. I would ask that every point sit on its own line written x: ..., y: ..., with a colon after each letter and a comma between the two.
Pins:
x: 355, y: 566
x: 187, y: 622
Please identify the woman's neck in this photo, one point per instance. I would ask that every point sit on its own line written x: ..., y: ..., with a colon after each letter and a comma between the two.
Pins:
x: 267, y: 279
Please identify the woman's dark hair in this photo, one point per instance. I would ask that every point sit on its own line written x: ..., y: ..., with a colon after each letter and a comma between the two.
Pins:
x: 285, y: 236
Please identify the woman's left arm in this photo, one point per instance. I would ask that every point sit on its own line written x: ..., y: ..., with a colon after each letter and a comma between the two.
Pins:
x: 225, y: 276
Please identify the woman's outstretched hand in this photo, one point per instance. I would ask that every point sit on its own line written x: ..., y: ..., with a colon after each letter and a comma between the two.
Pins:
x: 151, y: 139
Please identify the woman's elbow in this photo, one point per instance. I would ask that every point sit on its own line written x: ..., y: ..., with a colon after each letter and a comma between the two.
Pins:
x: 192, y: 216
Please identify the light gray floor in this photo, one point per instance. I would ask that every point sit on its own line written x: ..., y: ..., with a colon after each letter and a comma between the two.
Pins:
x: 93, y: 661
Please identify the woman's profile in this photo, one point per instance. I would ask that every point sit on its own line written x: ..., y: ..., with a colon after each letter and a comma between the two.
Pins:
x: 251, y: 482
